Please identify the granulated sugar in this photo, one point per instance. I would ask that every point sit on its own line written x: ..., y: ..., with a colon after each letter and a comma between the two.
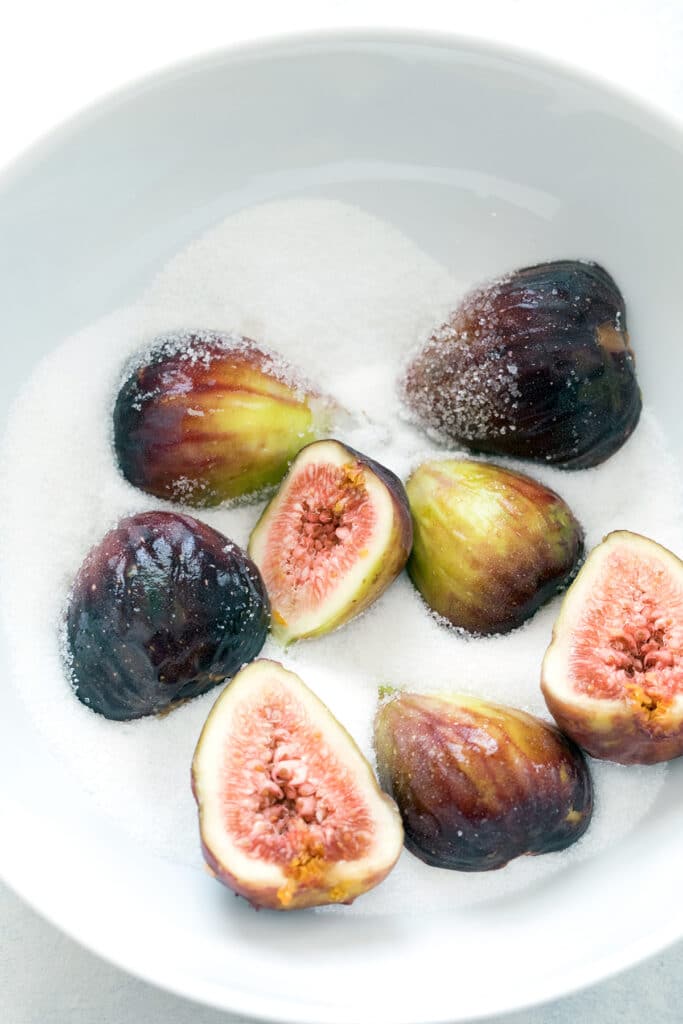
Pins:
x: 344, y: 298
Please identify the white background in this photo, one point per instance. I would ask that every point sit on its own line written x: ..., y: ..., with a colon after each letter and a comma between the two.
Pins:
x: 58, y: 57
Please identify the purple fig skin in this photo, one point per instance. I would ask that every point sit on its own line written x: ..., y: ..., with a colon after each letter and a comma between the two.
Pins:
x: 397, y: 490
x: 478, y: 784
x: 162, y: 609
x: 536, y: 365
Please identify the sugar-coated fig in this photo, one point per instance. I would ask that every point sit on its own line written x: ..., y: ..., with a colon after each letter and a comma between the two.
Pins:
x: 478, y: 784
x: 162, y: 609
x: 490, y: 546
x: 207, y: 417
x: 536, y: 365
x: 613, y: 674
x: 290, y: 813
x: 333, y: 538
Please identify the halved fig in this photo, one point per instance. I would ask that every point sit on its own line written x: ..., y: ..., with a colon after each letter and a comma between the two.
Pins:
x: 333, y: 538
x: 613, y: 674
x: 479, y: 783
x: 290, y: 813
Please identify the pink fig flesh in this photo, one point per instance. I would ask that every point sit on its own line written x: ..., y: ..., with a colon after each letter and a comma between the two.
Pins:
x: 613, y: 674
x: 334, y: 537
x: 290, y: 813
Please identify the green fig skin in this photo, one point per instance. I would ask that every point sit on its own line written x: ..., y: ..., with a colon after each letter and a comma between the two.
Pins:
x: 490, y: 545
x: 212, y: 417
x: 478, y: 784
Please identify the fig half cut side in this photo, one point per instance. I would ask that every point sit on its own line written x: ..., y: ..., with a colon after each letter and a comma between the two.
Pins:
x: 613, y: 674
x: 333, y: 538
x: 290, y: 813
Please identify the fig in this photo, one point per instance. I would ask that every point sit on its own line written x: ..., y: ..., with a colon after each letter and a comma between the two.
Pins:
x: 208, y: 417
x: 162, y: 609
x: 490, y: 546
x: 478, y: 784
x: 612, y: 676
x: 537, y: 365
x: 333, y: 538
x: 290, y: 813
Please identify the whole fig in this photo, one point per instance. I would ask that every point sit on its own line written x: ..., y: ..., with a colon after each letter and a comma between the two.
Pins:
x: 478, y: 784
x: 537, y: 365
x: 207, y: 417
x: 162, y: 609
x: 490, y: 545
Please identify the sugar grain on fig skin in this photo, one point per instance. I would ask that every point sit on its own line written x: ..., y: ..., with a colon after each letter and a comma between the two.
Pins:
x: 349, y: 325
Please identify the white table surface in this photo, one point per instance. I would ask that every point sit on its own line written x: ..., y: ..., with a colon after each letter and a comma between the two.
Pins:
x: 55, y: 58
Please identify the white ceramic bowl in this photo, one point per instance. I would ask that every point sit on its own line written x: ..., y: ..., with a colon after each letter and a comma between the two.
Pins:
x: 487, y: 158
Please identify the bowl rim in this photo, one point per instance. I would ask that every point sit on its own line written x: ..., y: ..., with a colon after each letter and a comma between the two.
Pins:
x: 349, y: 37
x: 264, y: 1006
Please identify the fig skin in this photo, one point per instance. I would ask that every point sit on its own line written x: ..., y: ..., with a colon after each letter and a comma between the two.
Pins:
x: 638, y: 727
x: 378, y: 567
x: 537, y: 365
x: 162, y: 609
x: 311, y: 876
x: 478, y: 784
x: 490, y: 545
x: 210, y: 417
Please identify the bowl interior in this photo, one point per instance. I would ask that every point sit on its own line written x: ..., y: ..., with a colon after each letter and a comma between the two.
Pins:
x: 489, y: 161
